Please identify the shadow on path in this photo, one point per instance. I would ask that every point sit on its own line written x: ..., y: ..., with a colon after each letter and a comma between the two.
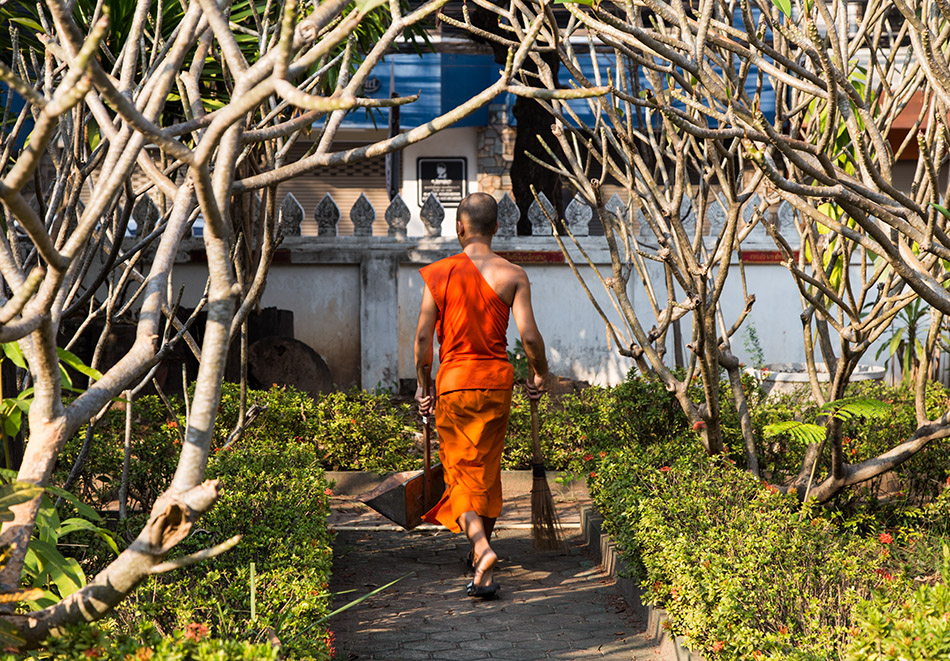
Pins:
x: 551, y: 606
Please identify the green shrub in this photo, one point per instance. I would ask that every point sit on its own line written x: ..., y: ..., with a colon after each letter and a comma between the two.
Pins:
x: 917, y: 627
x: 273, y: 493
x: 359, y: 430
x: 350, y: 431
x: 275, y: 496
x: 639, y: 411
x: 707, y: 541
x: 84, y: 642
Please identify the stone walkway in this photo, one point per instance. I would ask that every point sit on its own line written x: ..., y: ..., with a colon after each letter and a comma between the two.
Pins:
x: 550, y: 606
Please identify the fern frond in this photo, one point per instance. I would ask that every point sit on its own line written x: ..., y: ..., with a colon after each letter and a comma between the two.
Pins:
x: 856, y: 407
x: 800, y: 431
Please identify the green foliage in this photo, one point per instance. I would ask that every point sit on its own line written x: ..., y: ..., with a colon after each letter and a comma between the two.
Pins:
x: 706, y: 540
x: 83, y: 642
x: 359, y: 430
x: 46, y: 567
x: 519, y: 360
x: 14, y: 493
x: 274, y: 494
x: 348, y: 431
x: 12, y: 409
x: 785, y: 6
x: 803, y: 432
x: 842, y: 409
x: 905, y: 345
x: 917, y: 627
x: 277, y: 499
x: 594, y: 420
x: 750, y: 340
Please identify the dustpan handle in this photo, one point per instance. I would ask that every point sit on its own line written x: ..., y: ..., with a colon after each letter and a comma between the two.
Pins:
x: 426, y: 437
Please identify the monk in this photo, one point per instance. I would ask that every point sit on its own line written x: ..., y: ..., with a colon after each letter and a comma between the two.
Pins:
x: 466, y: 301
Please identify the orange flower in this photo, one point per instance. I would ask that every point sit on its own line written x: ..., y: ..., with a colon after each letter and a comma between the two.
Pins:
x: 196, y: 631
x: 172, y: 424
x: 699, y: 424
x: 885, y: 538
x: 328, y: 491
x: 665, y: 469
x: 718, y: 646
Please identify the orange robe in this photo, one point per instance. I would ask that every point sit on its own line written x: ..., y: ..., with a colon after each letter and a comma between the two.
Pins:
x: 473, y: 388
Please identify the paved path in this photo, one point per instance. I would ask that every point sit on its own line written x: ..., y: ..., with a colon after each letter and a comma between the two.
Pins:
x: 551, y: 606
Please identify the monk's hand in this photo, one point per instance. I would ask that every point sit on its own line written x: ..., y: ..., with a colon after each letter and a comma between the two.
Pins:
x: 426, y: 403
x: 536, y: 385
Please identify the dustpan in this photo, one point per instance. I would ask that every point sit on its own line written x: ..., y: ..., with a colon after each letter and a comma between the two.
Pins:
x: 405, y: 497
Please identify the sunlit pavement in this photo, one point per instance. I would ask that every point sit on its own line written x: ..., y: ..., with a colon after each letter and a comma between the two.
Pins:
x: 550, y: 605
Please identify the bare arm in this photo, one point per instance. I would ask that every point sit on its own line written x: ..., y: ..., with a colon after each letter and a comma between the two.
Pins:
x: 531, y: 339
x: 428, y: 314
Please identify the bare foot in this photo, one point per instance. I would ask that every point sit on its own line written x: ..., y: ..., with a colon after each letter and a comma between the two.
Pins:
x: 484, y: 569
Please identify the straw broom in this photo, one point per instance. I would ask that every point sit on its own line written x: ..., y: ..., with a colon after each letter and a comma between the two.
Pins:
x: 545, y: 527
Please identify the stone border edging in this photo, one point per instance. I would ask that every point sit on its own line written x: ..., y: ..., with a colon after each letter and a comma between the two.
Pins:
x: 605, y: 552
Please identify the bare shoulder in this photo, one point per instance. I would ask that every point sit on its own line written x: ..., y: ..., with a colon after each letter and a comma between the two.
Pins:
x: 512, y: 272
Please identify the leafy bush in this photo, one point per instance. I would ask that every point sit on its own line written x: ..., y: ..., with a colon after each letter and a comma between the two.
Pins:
x: 81, y: 643
x: 350, y: 431
x: 274, y: 494
x: 913, y: 483
x: 639, y: 411
x: 359, y: 430
x: 915, y: 628
x: 707, y: 539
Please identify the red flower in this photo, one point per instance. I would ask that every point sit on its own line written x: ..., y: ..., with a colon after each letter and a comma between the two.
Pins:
x: 718, y: 646
x: 665, y: 469
x: 699, y: 424
x: 885, y: 538
x: 328, y: 492
x: 593, y: 474
x: 588, y: 457
x: 603, y: 454
x: 196, y: 631
x: 172, y: 424
x: 883, y: 573
x: 93, y: 653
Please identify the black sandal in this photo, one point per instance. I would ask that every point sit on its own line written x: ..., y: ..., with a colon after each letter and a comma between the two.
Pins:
x: 486, y: 592
x: 482, y: 592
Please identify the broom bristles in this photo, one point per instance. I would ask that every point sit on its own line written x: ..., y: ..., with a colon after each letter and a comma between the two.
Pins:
x: 545, y: 526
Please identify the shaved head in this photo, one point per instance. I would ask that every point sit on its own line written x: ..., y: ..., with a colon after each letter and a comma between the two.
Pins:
x: 478, y: 214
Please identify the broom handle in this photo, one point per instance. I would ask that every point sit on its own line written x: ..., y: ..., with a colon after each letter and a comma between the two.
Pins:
x: 426, y: 433
x: 535, y: 432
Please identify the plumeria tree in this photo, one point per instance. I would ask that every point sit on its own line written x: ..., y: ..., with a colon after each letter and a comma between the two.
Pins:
x: 690, y: 132
x: 194, y: 104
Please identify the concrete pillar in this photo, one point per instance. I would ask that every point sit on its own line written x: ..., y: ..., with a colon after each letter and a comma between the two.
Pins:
x: 379, y: 320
